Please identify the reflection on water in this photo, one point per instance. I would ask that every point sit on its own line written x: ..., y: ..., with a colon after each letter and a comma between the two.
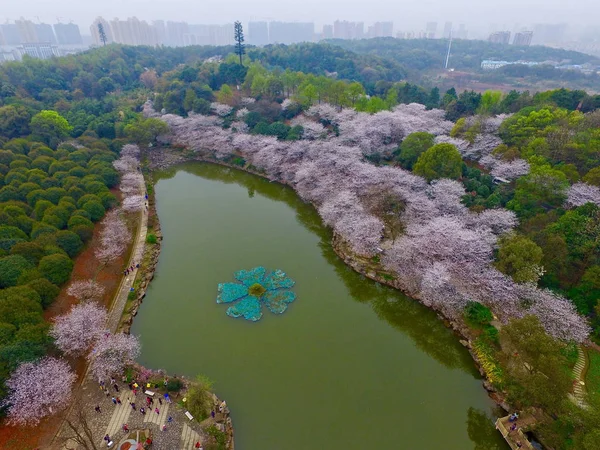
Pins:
x: 409, y: 316
x: 327, y: 374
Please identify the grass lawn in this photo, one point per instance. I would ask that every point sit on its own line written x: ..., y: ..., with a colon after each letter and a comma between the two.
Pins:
x: 592, y: 378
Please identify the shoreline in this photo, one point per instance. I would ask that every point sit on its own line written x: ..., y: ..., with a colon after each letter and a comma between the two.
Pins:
x: 169, y: 157
x: 145, y: 275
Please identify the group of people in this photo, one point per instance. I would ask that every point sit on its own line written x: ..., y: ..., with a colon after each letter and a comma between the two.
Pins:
x: 130, y: 269
x: 513, y: 418
x: 148, y: 404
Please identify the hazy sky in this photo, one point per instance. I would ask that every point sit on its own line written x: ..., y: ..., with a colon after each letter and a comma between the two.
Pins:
x: 406, y: 14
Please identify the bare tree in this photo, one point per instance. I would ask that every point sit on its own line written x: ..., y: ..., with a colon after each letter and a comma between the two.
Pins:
x: 77, y: 427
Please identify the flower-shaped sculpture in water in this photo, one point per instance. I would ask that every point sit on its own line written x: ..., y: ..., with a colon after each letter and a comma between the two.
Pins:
x: 257, y: 286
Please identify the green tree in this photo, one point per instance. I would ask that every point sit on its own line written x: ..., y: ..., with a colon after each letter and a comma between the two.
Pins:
x: 413, y: 146
x: 544, y: 188
x: 14, y: 121
x: 46, y: 290
x: 440, y: 161
x: 593, y: 176
x: 520, y: 258
x: 238, y: 34
x: 49, y: 127
x: 145, y: 131
x: 11, y: 268
x: 56, y: 268
x: 537, y: 369
x: 102, y: 33
x: 199, y: 397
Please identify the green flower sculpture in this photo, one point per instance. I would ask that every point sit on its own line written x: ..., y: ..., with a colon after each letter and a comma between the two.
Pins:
x: 257, y: 286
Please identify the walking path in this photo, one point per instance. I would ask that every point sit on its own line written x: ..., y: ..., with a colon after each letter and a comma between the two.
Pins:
x: 188, y: 437
x: 579, y: 391
x: 137, y: 252
x: 114, y: 316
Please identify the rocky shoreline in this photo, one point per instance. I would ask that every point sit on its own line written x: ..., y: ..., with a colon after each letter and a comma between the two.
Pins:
x: 222, y: 420
x: 166, y: 158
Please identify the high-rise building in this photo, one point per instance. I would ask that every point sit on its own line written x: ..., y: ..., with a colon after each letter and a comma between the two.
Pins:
x: 11, y: 34
x: 96, y: 33
x: 44, y: 33
x: 431, y: 30
x: 500, y: 37
x: 133, y: 32
x: 161, y: 31
x: 523, y: 38
x: 343, y: 29
x: 258, y: 33
x: 290, y: 32
x: 327, y: 31
x: 67, y: 34
x: 447, y: 30
x: 26, y: 31
x: 380, y: 29
x: 462, y: 32
x: 175, y: 33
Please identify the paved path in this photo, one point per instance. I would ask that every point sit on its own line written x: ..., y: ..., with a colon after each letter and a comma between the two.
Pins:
x: 120, y: 415
x: 137, y: 252
x: 159, y: 419
x: 189, y: 437
x: 579, y: 391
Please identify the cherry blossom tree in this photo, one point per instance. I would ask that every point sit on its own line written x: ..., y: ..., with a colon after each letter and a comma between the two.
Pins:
x: 581, y: 193
x: 76, y: 331
x: 86, y: 290
x: 37, y: 390
x: 220, y: 109
x: 241, y: 113
x: 132, y: 183
x: 445, y: 255
x: 134, y: 203
x: 114, y: 237
x: 112, y: 353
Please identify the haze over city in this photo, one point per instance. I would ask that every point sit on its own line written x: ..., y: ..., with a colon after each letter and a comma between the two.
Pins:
x: 475, y: 14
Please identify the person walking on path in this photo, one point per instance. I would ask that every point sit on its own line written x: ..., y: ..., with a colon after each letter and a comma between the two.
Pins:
x: 142, y: 410
x: 107, y: 438
x: 125, y: 428
x: 156, y: 410
x: 97, y: 408
x: 159, y: 401
x: 116, y: 387
x: 132, y: 405
x: 114, y: 400
x: 170, y: 419
x: 118, y: 401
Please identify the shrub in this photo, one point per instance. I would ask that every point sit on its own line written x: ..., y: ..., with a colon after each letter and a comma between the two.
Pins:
x: 31, y: 251
x: 47, y: 291
x: 11, y: 268
x: 477, y: 314
x: 95, y: 209
x: 69, y: 241
x: 85, y: 232
x: 56, y: 268
x: 151, y: 239
x: 174, y: 385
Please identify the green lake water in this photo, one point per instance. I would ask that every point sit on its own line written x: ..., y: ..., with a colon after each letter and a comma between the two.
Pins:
x: 350, y: 365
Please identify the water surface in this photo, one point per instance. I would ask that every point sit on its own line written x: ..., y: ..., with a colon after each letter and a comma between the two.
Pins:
x: 351, y: 365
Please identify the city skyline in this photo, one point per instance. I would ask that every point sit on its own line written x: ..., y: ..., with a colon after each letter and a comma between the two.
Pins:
x: 406, y: 17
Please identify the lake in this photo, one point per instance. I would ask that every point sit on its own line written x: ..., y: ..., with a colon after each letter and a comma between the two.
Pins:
x: 350, y: 365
